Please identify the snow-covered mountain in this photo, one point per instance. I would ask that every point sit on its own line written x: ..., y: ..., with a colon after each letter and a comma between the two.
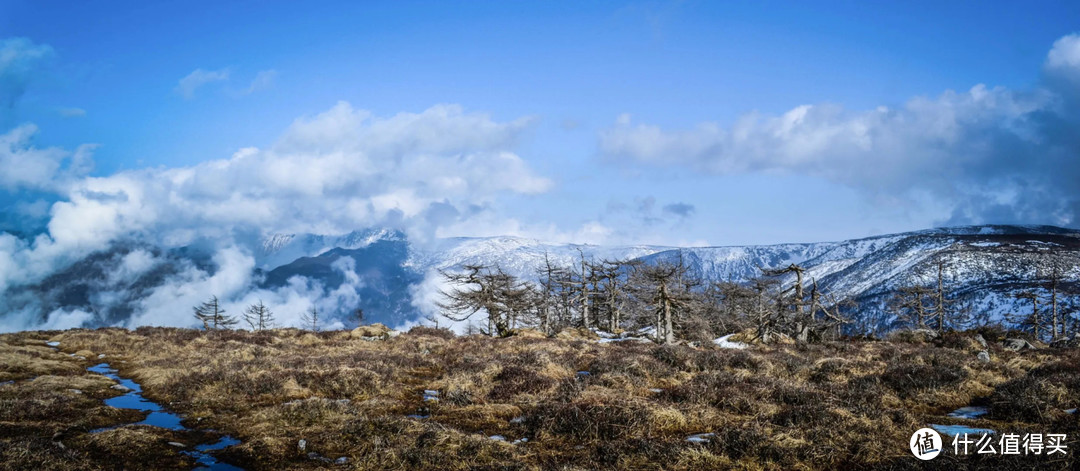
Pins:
x: 385, y: 274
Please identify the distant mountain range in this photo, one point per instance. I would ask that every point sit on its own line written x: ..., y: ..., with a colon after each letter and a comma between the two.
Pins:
x: 984, y: 267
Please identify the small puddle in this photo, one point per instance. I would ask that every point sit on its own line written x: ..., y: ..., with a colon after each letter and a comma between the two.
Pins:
x: 159, y: 417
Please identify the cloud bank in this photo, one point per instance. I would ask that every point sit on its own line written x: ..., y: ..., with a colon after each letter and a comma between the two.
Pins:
x: 991, y: 154
x: 330, y: 173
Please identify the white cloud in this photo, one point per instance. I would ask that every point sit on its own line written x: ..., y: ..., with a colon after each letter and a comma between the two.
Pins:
x: 72, y: 112
x: 991, y: 154
x: 263, y: 80
x: 28, y: 167
x: 330, y: 173
x: 20, y: 59
x: 197, y: 78
x: 1063, y: 61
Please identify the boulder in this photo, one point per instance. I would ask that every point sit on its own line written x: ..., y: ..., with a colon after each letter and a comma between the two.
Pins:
x: 982, y: 340
x: 925, y: 335
x: 577, y: 334
x: 372, y: 331
x: 1066, y: 342
x: 528, y: 333
x: 1017, y: 345
x: 984, y: 356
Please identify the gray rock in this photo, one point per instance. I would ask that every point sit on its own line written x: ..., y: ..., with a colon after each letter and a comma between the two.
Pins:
x: 301, y: 445
x: 982, y: 340
x: 177, y: 444
x: 75, y: 391
x: 1017, y: 345
x: 120, y: 387
x: 984, y: 356
x: 1066, y: 342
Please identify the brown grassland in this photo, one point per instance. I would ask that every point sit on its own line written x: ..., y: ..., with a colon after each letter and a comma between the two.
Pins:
x: 837, y: 405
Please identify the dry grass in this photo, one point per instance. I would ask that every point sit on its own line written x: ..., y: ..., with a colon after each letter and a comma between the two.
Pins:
x: 843, y: 405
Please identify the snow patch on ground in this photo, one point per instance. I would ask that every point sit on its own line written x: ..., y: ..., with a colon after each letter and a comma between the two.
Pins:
x: 723, y: 342
x: 701, y: 438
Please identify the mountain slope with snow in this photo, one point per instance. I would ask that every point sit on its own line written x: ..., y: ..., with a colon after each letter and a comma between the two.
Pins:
x: 396, y: 281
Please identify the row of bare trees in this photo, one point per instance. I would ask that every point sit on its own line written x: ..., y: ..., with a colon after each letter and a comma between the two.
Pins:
x: 666, y: 297
x: 932, y: 306
x: 257, y: 316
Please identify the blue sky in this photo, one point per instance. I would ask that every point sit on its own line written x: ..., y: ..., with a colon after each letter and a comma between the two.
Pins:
x: 623, y: 119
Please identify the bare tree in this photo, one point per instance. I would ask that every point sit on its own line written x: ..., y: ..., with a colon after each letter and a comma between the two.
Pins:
x: 797, y: 319
x: 358, y: 314
x: 1034, y: 321
x: 310, y: 319
x: 481, y: 288
x: 581, y: 282
x: 762, y: 316
x: 212, y: 315
x: 941, y: 303
x: 259, y: 317
x: 831, y: 317
x: 547, y: 277
x: 612, y: 277
x: 909, y: 304
x: 1054, y: 275
x: 664, y: 287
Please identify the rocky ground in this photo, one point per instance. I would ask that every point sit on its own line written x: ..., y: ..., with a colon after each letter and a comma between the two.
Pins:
x: 429, y: 400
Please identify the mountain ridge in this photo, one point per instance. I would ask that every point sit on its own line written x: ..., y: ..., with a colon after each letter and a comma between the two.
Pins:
x: 396, y: 281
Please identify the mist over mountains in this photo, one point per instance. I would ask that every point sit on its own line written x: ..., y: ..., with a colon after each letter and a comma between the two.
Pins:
x: 396, y: 282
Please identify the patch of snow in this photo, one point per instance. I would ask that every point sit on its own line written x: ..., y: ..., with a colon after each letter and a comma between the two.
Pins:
x: 53, y: 344
x: 723, y: 342
x: 604, y: 334
x: 519, y: 441
x: 656, y: 390
x: 985, y: 244
x: 499, y: 438
x: 518, y: 420
x: 701, y: 438
x: 624, y: 339
x: 431, y: 395
x: 1070, y: 411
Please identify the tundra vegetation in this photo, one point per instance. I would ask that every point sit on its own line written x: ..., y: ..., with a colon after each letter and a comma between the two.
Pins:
x: 428, y: 399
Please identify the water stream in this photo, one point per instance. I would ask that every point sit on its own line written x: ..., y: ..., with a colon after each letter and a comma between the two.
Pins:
x: 159, y: 417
